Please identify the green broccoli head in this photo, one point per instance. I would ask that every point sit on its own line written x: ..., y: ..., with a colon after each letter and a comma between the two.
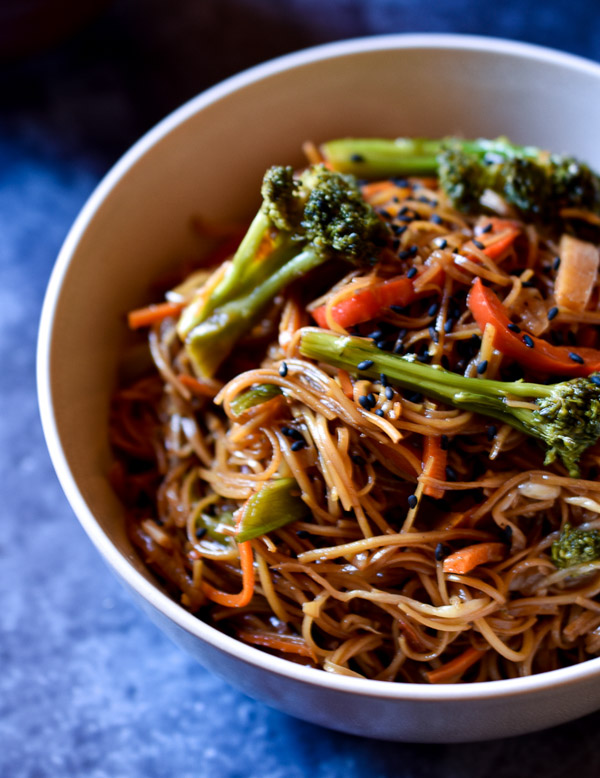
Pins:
x: 337, y: 221
x: 463, y: 177
x: 324, y: 209
x: 283, y: 198
x: 568, y: 420
x: 574, y: 185
x: 575, y: 547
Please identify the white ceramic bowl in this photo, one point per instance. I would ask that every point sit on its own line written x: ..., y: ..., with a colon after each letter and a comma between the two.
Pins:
x: 208, y: 157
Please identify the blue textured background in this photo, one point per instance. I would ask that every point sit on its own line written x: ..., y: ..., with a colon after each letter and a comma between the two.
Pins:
x: 88, y: 687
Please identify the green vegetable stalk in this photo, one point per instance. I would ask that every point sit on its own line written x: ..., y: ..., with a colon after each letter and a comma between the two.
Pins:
x: 566, y: 417
x: 538, y: 184
x: 310, y: 219
x: 278, y: 503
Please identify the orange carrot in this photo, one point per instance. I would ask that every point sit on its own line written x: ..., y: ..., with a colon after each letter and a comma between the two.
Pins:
x: 455, y: 668
x: 499, y: 238
x: 247, y: 564
x: 467, y: 558
x: 345, y: 383
x: 199, y: 387
x: 144, y: 317
x: 287, y: 644
x: 243, y: 598
x: 434, y: 465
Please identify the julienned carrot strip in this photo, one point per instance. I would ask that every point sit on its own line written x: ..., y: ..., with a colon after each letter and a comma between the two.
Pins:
x: 276, y: 642
x: 144, y: 317
x: 345, y: 383
x: 456, y: 667
x: 467, y: 558
x: 243, y: 598
x: 434, y: 465
x: 198, y: 387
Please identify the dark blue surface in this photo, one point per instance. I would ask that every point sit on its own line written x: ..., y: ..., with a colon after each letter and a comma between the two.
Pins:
x: 88, y: 687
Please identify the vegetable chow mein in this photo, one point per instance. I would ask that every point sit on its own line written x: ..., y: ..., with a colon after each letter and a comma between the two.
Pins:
x: 368, y: 439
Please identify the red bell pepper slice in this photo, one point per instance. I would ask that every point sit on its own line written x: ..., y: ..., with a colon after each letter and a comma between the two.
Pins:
x: 368, y: 303
x: 542, y: 356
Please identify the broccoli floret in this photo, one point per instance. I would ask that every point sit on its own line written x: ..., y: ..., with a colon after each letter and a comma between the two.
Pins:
x: 538, y: 184
x: 568, y: 419
x: 317, y: 217
x: 566, y: 416
x: 575, y: 547
x: 283, y: 200
x: 337, y: 221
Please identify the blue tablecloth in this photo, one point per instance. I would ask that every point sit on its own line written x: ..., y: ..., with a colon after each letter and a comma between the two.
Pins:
x: 88, y: 686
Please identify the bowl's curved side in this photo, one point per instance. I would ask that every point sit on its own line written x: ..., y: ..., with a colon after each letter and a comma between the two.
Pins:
x: 205, y: 158
x: 409, y: 719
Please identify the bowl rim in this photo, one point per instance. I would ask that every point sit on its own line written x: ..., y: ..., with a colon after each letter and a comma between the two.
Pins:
x: 487, y: 690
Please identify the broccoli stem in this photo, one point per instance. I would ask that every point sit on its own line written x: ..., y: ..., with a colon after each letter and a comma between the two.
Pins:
x: 471, y: 394
x: 566, y: 416
x: 382, y: 158
x: 217, y: 333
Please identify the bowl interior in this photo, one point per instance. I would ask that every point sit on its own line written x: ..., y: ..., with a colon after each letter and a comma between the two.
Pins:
x: 208, y: 158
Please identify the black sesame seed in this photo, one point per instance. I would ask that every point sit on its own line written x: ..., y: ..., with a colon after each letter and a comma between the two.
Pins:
x: 451, y: 474
x: 389, y: 393
x: 448, y: 325
x: 552, y: 313
x: 365, y: 364
x: 371, y: 398
x: 415, y: 397
x: 528, y: 284
x: 507, y: 533
x: 412, y: 272
x: 478, y: 244
x: 365, y: 402
x: 491, y: 432
x: 382, y: 345
x: 412, y: 501
x: 298, y: 444
x: 482, y: 367
x: 441, y: 243
x: 290, y: 432
x: 379, y: 412
x: 400, y: 309
x: 487, y: 228
x: 441, y: 551
x: 444, y: 442
x: 357, y: 158
x: 576, y: 358
x: 302, y: 533
x: 425, y: 358
x: 398, y: 229
x: 201, y: 532
x: 385, y: 214
x: 528, y: 341
x: 595, y: 379
x: 513, y: 327
x: 408, y: 253
x: 556, y: 263
x: 399, y: 347
x: 433, y: 309
x: 283, y: 369
x: 375, y: 335
x: 436, y: 218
